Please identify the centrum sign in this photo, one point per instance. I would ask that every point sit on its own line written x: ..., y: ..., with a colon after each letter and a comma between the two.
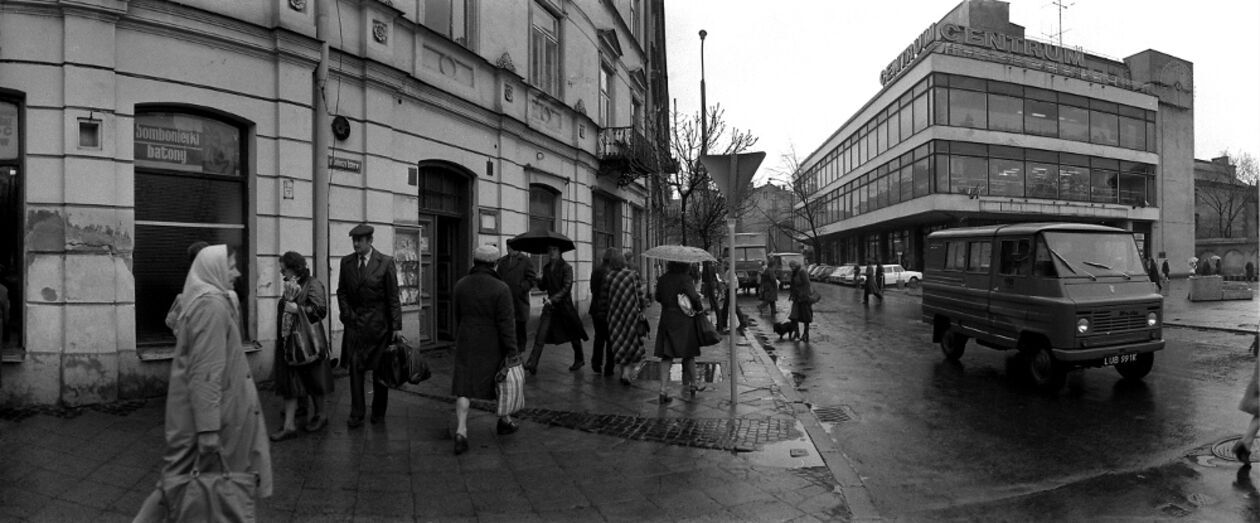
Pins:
x: 962, y: 34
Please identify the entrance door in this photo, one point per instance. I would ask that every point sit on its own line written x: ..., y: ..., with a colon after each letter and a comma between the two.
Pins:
x: 12, y: 205
x: 446, y: 262
x: 444, y: 205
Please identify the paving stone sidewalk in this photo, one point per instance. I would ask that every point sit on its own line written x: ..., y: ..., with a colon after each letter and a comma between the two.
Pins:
x: 590, y: 449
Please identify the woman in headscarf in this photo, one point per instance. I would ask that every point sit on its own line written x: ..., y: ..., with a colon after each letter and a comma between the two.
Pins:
x: 303, y: 294
x: 485, y: 335
x: 802, y: 306
x: 212, y: 407
x: 676, y: 335
x: 624, y: 302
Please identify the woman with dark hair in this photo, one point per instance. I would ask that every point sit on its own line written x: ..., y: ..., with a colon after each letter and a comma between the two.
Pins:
x: 303, y: 294
x: 676, y: 335
x: 623, y: 302
x: 485, y: 336
x: 560, y: 322
x: 601, y: 350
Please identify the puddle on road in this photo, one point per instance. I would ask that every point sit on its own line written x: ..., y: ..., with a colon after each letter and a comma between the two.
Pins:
x: 706, y: 371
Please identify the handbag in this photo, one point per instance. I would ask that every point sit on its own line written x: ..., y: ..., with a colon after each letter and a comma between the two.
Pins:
x: 642, y: 327
x: 205, y: 495
x: 814, y: 297
x: 306, y: 343
x: 510, y: 385
x: 705, y: 330
x: 400, y: 364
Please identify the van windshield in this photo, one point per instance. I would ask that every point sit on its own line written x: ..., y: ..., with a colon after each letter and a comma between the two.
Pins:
x: 1089, y: 255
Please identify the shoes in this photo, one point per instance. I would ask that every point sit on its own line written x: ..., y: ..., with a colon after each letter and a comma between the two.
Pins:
x: 317, y: 423
x: 461, y: 444
x: 625, y: 382
x: 354, y: 423
x: 1242, y: 454
x: 664, y: 399
x: 505, y: 428
x: 576, y: 365
x: 595, y: 367
x: 531, y: 369
x: 696, y: 388
x: 805, y: 338
x: 283, y: 434
x: 377, y: 419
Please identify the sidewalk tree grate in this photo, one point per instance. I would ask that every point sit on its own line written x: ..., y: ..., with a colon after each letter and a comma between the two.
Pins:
x: 834, y: 414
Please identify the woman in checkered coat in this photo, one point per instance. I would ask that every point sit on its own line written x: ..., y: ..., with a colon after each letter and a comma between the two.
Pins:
x: 623, y: 294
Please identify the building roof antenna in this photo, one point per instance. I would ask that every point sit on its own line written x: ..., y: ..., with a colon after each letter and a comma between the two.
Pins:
x: 1058, y: 35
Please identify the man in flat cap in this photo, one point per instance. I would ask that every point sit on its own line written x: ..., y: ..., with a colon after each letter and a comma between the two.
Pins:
x: 367, y: 292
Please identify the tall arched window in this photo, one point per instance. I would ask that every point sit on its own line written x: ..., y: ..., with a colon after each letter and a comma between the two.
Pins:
x: 544, y: 213
x: 190, y: 186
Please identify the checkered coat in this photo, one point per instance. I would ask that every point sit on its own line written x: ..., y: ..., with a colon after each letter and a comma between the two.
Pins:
x: 623, y: 291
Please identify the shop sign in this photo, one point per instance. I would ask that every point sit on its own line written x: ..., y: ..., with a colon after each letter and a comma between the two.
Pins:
x: 961, y: 34
x: 188, y: 143
x: 345, y: 164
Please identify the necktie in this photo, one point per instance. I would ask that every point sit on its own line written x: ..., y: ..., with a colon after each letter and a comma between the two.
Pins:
x: 362, y: 265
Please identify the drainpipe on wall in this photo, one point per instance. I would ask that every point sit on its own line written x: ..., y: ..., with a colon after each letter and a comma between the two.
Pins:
x: 321, y: 141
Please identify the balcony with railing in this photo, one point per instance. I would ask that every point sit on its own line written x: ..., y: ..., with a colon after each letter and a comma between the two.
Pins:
x: 626, y: 153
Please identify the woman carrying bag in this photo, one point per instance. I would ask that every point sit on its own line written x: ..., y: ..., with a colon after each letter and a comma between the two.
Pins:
x: 676, y: 333
x: 485, y: 342
x: 623, y: 303
x: 301, y: 366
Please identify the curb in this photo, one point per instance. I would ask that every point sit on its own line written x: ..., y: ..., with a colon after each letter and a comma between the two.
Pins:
x: 856, y: 496
x: 1209, y: 328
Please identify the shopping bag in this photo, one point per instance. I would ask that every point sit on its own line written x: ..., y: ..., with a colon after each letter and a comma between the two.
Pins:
x: 306, y: 343
x: 210, y: 495
x: 510, y: 386
x: 705, y: 330
x: 400, y: 364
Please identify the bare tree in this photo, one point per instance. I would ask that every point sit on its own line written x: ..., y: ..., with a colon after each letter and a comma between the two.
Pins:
x: 701, y: 206
x: 1227, y: 199
x: 802, y: 224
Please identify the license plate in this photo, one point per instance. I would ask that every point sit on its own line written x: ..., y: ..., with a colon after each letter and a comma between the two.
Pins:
x: 1119, y: 358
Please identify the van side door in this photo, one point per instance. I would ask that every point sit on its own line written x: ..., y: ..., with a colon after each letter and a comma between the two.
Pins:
x: 1015, y: 301
x: 977, y: 278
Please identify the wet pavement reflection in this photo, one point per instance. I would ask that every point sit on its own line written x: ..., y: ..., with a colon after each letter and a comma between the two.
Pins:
x: 933, y: 438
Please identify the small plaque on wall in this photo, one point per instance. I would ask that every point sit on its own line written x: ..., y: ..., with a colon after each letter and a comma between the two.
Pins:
x: 489, y: 221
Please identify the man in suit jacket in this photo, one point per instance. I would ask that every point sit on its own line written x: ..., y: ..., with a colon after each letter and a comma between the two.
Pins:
x: 517, y: 271
x: 367, y: 293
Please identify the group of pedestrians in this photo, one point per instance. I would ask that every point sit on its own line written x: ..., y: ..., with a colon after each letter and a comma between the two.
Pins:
x: 800, y: 295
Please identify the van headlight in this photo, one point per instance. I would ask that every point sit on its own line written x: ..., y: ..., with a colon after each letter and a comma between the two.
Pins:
x: 1082, y: 326
x: 1151, y: 319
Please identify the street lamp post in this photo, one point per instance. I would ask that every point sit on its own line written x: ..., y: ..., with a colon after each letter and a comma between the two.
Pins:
x: 704, y: 105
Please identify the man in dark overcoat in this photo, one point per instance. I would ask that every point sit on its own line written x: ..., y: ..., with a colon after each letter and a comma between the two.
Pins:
x: 874, y: 282
x: 560, y: 322
x: 367, y: 293
x: 517, y: 271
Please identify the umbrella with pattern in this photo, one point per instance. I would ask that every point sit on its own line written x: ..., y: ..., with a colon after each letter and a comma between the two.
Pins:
x: 679, y: 253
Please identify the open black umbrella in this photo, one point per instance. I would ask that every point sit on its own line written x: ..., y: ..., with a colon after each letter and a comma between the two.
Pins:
x: 537, y: 242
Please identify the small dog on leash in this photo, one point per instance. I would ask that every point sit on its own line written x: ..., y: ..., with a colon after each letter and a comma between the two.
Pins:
x: 785, y: 328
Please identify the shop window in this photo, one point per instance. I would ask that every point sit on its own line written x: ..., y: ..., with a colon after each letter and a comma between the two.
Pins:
x: 1073, y: 123
x: 1074, y: 183
x: 189, y: 187
x: 1104, y: 128
x: 1103, y: 186
x: 454, y: 19
x: 967, y: 109
x: 407, y: 264
x: 544, y: 50
x: 1006, y: 113
x: 1006, y: 177
x: 1041, y: 118
x: 12, y: 206
x: 968, y: 174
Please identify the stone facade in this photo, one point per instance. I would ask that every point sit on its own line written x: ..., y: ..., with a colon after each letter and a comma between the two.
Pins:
x: 446, y: 137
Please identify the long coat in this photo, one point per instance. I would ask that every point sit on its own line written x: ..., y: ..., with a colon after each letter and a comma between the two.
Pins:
x: 557, y: 281
x: 599, y: 302
x: 623, y: 300
x: 370, y: 309
x: 485, y: 332
x: 802, y: 309
x: 313, y: 378
x: 769, y: 285
x: 676, y: 335
x: 517, y: 271
x: 212, y: 389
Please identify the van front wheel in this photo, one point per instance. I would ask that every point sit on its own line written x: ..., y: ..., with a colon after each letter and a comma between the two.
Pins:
x: 1044, y: 372
x: 1136, y: 370
x: 953, y: 344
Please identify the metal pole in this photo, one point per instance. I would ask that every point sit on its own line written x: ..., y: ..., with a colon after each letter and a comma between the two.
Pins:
x: 704, y: 107
x: 320, y: 144
x: 732, y: 283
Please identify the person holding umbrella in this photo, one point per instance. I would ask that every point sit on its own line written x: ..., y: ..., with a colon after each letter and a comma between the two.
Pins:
x: 560, y: 322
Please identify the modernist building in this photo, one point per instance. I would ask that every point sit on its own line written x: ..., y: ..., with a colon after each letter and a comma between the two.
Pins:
x: 131, y: 128
x: 977, y: 124
x: 1225, y: 216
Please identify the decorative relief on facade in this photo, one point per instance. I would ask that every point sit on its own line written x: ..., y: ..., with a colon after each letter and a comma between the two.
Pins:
x: 545, y: 115
x: 297, y: 5
x: 505, y: 62
x: 580, y: 107
x: 380, y: 32
x: 507, y: 92
x: 434, y: 59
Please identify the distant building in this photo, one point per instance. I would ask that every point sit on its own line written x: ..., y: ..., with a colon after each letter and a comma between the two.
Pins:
x: 130, y: 129
x: 978, y: 124
x: 1225, y: 216
x: 767, y: 208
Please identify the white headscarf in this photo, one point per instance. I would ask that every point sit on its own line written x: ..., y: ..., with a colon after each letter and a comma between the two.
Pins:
x: 208, y: 275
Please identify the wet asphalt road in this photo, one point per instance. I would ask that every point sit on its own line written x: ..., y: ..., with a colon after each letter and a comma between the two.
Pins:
x: 934, y: 440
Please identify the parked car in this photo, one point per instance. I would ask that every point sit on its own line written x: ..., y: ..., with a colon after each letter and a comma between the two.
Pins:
x: 820, y: 272
x: 841, y: 275
x: 895, y: 274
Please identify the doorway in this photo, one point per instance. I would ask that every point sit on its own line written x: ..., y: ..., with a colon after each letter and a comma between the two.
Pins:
x: 12, y: 205
x: 444, y: 255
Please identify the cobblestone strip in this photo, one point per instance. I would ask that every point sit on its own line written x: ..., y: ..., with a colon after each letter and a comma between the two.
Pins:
x: 745, y: 435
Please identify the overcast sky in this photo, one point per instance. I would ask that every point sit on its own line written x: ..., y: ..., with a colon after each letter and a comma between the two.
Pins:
x: 793, y: 71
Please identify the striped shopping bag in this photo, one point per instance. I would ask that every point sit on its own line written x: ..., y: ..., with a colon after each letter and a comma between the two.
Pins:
x: 511, y: 387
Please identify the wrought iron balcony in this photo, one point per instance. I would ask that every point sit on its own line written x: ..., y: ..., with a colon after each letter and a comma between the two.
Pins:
x: 625, y: 153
